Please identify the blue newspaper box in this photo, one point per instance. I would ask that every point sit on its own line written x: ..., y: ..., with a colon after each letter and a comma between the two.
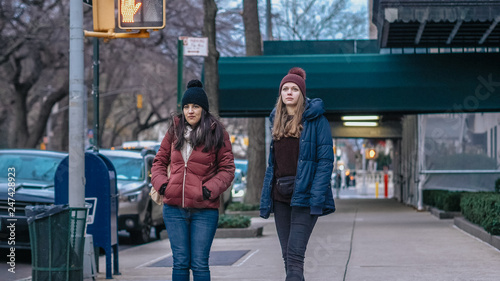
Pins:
x: 102, y: 193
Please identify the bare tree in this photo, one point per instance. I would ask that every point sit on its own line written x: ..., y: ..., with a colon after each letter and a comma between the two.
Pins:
x: 33, y: 63
x: 318, y: 19
x: 34, y: 70
x: 211, y: 66
x: 256, y: 126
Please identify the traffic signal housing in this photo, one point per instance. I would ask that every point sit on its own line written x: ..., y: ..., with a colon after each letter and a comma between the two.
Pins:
x: 141, y: 14
x: 103, y: 12
x: 371, y: 153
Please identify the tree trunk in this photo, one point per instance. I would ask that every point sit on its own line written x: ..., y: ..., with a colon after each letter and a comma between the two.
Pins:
x: 269, y: 22
x: 37, y: 131
x: 256, y: 126
x: 211, y: 66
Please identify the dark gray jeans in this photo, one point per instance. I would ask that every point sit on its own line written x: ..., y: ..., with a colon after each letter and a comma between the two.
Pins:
x: 294, y: 226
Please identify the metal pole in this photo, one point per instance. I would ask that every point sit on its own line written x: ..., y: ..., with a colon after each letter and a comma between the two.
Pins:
x: 180, y: 68
x: 95, y: 90
x: 363, y: 187
x: 421, y: 123
x: 76, y: 181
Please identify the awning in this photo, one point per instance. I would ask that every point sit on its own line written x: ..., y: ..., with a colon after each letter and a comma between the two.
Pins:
x: 437, y: 23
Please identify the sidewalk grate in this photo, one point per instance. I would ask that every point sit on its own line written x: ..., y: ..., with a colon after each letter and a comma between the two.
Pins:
x: 217, y: 258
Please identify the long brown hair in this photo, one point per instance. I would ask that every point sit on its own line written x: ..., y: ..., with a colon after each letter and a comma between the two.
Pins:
x: 292, y: 128
x: 208, y: 132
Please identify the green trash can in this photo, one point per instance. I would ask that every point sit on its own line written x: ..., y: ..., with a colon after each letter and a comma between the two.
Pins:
x: 57, y: 237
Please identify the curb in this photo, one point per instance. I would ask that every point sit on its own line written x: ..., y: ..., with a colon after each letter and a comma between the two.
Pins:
x: 253, y: 214
x: 249, y: 232
x: 477, y: 231
x: 440, y: 214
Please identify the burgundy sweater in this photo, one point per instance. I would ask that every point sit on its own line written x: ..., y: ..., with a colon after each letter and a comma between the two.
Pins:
x: 286, y: 157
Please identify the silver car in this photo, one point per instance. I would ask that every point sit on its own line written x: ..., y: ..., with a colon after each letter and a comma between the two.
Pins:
x: 137, y: 213
x: 30, y: 173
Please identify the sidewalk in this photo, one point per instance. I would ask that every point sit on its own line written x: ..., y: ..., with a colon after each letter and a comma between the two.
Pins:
x: 366, y: 239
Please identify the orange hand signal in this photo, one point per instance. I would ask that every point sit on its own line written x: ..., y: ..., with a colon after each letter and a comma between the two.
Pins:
x: 128, y: 10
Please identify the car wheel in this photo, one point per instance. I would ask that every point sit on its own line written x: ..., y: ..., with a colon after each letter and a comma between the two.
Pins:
x: 158, y: 230
x: 142, y: 235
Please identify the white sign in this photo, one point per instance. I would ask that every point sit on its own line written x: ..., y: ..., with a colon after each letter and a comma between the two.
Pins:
x: 92, y: 201
x: 194, y: 46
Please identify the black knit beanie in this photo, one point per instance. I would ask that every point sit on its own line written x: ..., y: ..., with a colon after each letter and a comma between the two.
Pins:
x: 195, y: 94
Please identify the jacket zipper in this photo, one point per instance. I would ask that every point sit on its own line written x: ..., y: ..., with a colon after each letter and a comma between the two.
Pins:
x: 184, y: 184
x: 298, y: 163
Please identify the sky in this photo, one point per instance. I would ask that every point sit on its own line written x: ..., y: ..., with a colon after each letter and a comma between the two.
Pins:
x: 357, y: 5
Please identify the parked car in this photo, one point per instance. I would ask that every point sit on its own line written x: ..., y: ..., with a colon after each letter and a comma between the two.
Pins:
x: 138, y: 145
x: 33, y: 174
x: 137, y: 213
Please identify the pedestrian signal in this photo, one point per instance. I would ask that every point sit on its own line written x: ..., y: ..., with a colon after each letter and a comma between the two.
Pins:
x: 141, y: 14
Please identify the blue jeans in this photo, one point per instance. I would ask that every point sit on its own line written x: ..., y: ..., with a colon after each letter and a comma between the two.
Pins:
x: 294, y: 226
x: 191, y: 233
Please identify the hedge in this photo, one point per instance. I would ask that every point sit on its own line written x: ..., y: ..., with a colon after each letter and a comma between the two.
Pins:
x: 234, y: 221
x: 237, y: 206
x: 443, y: 199
x: 482, y: 209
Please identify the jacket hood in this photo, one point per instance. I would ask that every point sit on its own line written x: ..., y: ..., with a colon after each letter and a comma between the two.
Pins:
x: 314, y: 109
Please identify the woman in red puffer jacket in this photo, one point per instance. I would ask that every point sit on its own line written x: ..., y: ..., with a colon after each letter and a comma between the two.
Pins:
x: 198, y: 150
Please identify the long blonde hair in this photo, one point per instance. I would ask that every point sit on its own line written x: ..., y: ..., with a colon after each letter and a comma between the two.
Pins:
x: 292, y: 128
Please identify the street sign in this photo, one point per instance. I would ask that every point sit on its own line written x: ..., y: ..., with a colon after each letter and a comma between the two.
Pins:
x: 88, y: 2
x: 194, y: 46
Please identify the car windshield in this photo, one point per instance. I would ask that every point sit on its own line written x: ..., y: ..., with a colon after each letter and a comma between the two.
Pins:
x: 129, y: 169
x: 30, y: 167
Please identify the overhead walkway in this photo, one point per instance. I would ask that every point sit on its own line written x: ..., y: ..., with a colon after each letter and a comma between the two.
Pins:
x: 366, y: 83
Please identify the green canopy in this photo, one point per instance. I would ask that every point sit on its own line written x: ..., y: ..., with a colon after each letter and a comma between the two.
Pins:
x: 366, y: 83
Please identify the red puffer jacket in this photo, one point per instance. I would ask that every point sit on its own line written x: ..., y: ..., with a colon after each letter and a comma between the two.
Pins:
x: 213, y: 169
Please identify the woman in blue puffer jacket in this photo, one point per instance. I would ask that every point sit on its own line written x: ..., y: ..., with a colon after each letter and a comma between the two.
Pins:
x: 297, y: 181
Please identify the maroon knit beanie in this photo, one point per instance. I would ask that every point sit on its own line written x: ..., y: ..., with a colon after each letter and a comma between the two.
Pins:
x: 296, y: 75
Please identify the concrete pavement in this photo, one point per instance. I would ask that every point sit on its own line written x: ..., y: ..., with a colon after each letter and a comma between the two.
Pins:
x: 366, y: 239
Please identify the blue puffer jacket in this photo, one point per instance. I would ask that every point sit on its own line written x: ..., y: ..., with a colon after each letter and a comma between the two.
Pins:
x: 314, y: 170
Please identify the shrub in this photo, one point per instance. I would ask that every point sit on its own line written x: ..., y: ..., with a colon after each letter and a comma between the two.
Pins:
x: 234, y: 221
x: 497, y: 185
x: 237, y: 206
x: 482, y: 209
x: 443, y: 199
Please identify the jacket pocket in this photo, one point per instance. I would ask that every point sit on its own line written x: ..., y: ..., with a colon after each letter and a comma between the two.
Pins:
x: 197, y: 189
x: 285, y: 185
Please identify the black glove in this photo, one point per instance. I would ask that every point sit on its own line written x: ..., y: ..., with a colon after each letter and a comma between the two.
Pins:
x: 206, y: 193
x: 162, y: 189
